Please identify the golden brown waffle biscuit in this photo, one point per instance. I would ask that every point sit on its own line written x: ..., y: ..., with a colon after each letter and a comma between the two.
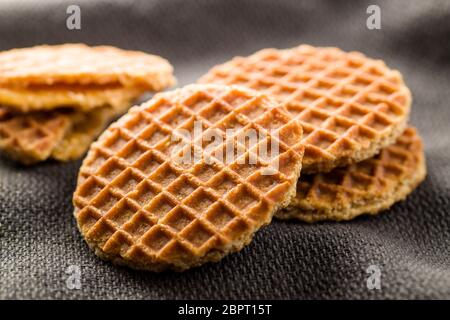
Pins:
x: 60, y: 134
x: 367, y: 187
x: 47, y: 77
x: 81, y: 64
x: 83, y: 98
x: 137, y: 205
x: 350, y: 106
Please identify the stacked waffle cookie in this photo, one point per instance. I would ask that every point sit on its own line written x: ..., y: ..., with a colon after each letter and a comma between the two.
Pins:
x: 360, y: 156
x: 55, y: 100
x: 192, y: 174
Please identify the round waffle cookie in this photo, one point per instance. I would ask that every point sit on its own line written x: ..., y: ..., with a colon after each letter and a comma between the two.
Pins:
x: 367, y: 187
x: 47, y: 77
x: 350, y: 106
x: 137, y: 204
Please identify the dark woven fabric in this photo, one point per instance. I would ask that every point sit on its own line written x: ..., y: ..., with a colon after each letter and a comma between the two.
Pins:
x: 410, y: 242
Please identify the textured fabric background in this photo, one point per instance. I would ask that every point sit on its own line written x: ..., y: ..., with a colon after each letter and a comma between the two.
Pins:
x: 410, y: 242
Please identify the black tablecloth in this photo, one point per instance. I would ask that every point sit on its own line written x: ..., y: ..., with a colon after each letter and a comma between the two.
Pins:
x: 409, y: 243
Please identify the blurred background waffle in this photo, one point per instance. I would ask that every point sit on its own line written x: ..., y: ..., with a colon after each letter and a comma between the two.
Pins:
x: 57, y: 99
x: 47, y: 77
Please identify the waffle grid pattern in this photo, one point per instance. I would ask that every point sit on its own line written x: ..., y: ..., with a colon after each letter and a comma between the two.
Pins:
x: 371, y: 178
x: 60, y: 134
x: 136, y: 202
x: 31, y: 137
x: 345, y: 102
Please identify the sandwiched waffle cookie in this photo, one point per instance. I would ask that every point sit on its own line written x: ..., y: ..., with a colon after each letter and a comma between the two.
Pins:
x: 156, y: 191
x: 80, y: 98
x: 350, y: 106
x: 59, y: 134
x: 367, y: 187
x: 47, y: 77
